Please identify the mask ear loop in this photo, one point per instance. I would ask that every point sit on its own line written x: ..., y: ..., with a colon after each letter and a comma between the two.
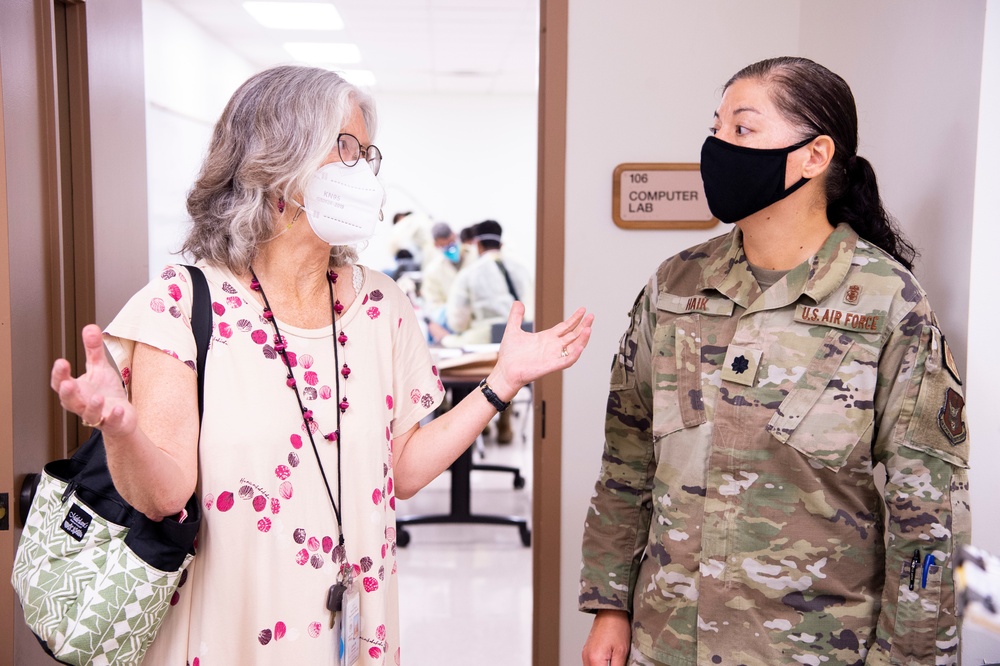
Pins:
x: 281, y: 210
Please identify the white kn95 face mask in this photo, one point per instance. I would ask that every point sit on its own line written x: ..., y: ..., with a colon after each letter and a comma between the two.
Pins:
x: 344, y: 203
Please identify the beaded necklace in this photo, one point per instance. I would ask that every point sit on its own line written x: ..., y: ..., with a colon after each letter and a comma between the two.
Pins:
x: 309, y: 423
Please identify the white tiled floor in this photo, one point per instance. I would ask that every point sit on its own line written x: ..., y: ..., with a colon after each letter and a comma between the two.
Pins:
x: 465, y: 590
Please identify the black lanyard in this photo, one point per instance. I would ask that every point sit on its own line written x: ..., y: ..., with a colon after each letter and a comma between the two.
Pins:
x: 307, y: 420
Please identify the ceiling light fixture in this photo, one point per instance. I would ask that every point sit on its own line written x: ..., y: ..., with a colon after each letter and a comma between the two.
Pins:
x: 322, y: 53
x: 359, y: 77
x: 295, y: 15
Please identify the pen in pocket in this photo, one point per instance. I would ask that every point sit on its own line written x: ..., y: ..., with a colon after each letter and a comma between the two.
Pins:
x: 914, y: 563
x: 928, y: 563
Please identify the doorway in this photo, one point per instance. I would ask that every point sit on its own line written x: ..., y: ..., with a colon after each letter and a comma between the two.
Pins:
x: 458, y: 129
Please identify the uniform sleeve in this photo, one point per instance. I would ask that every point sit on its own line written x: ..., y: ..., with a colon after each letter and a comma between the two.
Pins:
x: 923, y: 442
x: 617, y: 524
x: 417, y: 389
x: 158, y: 315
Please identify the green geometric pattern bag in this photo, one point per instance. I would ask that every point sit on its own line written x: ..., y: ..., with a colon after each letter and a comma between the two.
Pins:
x: 95, y: 576
x: 93, y: 601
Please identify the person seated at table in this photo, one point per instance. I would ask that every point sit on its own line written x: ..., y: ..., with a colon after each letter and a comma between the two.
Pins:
x: 439, y: 272
x: 480, y: 297
x: 484, y: 291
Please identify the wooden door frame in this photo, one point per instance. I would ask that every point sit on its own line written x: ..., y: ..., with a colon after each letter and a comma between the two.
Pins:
x: 71, y: 247
x: 7, y: 545
x: 549, y: 295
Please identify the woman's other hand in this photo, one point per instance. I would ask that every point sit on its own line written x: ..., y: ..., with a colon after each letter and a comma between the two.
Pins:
x: 96, y: 396
x: 524, y: 357
x: 609, y: 639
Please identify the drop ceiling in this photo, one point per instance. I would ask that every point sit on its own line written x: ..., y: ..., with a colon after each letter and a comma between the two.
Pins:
x: 462, y: 46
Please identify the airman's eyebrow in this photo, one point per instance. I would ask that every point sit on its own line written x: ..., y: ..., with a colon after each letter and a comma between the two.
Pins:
x: 742, y: 109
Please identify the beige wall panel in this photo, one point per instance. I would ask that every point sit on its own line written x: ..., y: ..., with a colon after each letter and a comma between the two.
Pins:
x: 118, y: 150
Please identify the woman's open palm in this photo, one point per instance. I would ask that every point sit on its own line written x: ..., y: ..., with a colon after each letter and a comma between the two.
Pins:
x: 96, y: 396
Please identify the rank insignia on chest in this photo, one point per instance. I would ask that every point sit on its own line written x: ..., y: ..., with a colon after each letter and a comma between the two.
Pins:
x: 741, y: 365
x: 950, y: 417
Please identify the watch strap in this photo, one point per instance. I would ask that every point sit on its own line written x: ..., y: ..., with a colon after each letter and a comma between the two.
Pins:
x: 492, y: 397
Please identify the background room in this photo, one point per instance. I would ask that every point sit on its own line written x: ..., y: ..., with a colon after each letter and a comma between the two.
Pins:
x: 455, y: 85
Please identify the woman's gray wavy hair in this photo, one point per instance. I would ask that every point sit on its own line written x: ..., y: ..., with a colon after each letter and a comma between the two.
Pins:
x: 274, y: 134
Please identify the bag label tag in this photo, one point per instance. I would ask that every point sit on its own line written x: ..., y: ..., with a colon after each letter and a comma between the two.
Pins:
x: 77, y: 522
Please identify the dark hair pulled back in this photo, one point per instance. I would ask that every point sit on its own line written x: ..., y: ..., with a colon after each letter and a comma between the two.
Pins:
x: 820, y: 102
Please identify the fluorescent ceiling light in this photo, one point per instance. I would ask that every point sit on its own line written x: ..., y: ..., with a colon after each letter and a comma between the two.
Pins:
x: 296, y: 15
x: 324, y: 52
x: 359, y: 77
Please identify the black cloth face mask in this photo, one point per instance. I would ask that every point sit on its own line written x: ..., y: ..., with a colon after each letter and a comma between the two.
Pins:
x: 740, y: 181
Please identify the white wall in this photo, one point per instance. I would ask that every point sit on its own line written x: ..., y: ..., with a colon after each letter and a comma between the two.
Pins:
x: 458, y: 158
x: 646, y: 95
x: 184, y: 97
x: 648, y: 79
x: 984, y: 319
x: 918, y: 125
x: 983, y: 392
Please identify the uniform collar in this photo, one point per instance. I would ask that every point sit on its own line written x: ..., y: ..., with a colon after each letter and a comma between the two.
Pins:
x: 727, y: 271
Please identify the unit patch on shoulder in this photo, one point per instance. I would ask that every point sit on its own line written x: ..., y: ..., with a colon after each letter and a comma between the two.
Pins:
x: 950, y: 417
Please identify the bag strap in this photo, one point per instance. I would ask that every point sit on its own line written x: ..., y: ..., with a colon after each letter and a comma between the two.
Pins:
x: 201, y: 326
x: 506, y: 276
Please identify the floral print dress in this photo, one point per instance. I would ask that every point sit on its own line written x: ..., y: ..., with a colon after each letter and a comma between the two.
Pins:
x: 267, y: 550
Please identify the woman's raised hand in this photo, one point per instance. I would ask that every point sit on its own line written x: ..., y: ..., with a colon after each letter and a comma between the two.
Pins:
x: 524, y: 357
x: 97, y: 396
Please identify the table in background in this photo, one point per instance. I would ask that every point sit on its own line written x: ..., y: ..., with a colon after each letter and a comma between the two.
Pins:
x: 461, y: 376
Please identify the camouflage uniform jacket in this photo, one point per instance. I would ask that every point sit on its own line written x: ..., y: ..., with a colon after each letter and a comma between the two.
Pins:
x: 737, y: 516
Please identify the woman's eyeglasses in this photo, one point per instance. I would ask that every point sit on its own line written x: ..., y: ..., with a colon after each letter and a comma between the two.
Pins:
x: 351, y: 151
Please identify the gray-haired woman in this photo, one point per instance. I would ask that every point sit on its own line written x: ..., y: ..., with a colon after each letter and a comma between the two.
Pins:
x: 316, y: 381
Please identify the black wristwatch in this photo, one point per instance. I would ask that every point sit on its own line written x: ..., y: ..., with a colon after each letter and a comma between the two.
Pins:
x: 494, y: 400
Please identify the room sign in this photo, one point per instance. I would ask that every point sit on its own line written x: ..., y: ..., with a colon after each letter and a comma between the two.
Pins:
x: 659, y: 196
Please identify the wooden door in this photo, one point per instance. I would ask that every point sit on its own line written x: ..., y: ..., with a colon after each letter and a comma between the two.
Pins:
x: 72, y: 225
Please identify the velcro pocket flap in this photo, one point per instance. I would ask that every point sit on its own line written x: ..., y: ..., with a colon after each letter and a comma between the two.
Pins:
x: 677, y: 378
x: 831, y: 406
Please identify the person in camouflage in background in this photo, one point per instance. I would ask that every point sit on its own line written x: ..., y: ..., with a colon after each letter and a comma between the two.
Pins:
x: 763, y: 377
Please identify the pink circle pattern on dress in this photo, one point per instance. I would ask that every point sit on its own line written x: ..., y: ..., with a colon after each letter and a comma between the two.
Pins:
x: 225, y: 500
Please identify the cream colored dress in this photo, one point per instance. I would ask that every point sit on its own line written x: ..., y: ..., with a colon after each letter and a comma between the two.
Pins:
x: 256, y: 593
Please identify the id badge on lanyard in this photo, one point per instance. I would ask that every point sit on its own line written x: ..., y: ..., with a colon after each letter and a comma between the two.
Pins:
x: 345, y: 602
x: 351, y: 627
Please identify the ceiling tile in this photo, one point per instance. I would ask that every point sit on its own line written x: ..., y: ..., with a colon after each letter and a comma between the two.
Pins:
x: 478, y: 46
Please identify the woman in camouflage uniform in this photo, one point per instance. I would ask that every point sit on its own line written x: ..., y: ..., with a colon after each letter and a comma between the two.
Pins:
x: 770, y: 381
